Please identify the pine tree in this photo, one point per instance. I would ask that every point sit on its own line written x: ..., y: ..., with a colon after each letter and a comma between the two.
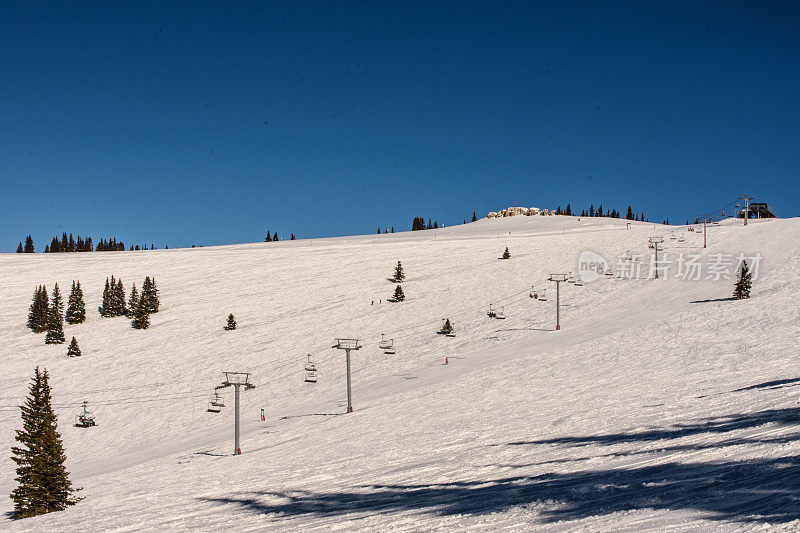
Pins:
x: 141, y: 315
x: 741, y: 290
x: 399, y: 275
x: 506, y: 254
x: 76, y: 309
x: 119, y: 299
x: 447, y: 327
x: 568, y: 210
x: 55, y: 319
x: 269, y: 238
x: 150, y: 295
x: 19, y: 248
x: 474, y: 218
x: 43, y: 484
x: 106, y: 310
x: 231, y: 322
x: 399, y: 295
x: 392, y: 229
x: 37, y: 317
x: 134, y: 299
x: 29, y: 245
x: 73, y: 350
x: 275, y: 237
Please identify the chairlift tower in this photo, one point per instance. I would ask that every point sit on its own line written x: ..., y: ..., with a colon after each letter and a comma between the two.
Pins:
x: 237, y: 380
x: 347, y: 345
x: 558, y: 278
x: 746, y: 200
x: 654, y: 242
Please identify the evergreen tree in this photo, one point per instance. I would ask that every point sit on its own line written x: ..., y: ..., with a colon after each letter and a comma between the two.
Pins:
x: 37, y: 316
x: 741, y: 290
x: 392, y: 229
x: 379, y: 231
x: 474, y: 218
x: 568, y: 210
x: 275, y: 237
x: 399, y: 295
x: 292, y: 238
x: 150, y: 295
x: 19, y: 248
x: 106, y: 310
x: 231, y: 322
x: 269, y: 238
x: 591, y: 210
x: 447, y: 327
x: 558, y: 211
x: 29, y: 245
x: 399, y: 275
x: 119, y: 299
x: 43, y: 484
x: 506, y: 254
x: 141, y: 315
x: 134, y: 299
x: 76, y: 309
x: 55, y: 319
x: 73, y: 350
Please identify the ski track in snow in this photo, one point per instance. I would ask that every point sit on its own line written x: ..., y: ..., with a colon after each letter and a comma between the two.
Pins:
x: 657, y: 407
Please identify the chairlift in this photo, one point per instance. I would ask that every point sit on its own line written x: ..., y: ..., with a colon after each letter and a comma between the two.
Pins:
x: 491, y: 313
x: 609, y: 272
x: 85, y: 419
x: 217, y: 401
x: 213, y: 409
x: 502, y: 314
x: 672, y: 236
x: 578, y: 282
x: 570, y: 278
x: 681, y: 239
x: 310, y: 370
x: 385, y: 343
x: 390, y: 350
x: 543, y: 295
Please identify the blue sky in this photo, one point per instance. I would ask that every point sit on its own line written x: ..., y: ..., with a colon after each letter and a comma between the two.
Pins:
x: 189, y: 122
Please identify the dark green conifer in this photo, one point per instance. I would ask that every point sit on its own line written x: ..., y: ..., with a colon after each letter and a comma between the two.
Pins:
x: 399, y: 275
x: 133, y: 301
x: 55, y: 319
x: 37, y: 317
x: 73, y: 350
x: 474, y: 218
x: 141, y: 316
x: 506, y: 254
x: 107, y: 300
x: 29, y: 245
x: 231, y: 322
x: 76, y: 309
x: 399, y: 295
x: 150, y: 294
x: 43, y: 484
x: 19, y: 248
x: 447, y: 327
x: 741, y: 290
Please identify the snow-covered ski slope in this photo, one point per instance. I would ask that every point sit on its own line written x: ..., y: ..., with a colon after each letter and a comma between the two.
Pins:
x: 659, y: 405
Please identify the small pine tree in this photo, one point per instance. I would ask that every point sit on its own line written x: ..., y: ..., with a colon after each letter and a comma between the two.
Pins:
x: 55, y: 319
x: 150, y: 294
x: 474, y: 218
x: 107, y: 305
x: 133, y: 301
x: 29, y: 245
x: 73, y: 350
x: 399, y: 295
x: 141, y: 315
x: 399, y: 275
x: 447, y: 327
x: 43, y: 484
x: 506, y: 254
x: 19, y: 248
x: 275, y: 237
x: 76, y: 308
x: 268, y: 238
x: 741, y: 290
x: 231, y: 323
x: 39, y: 309
x: 119, y: 299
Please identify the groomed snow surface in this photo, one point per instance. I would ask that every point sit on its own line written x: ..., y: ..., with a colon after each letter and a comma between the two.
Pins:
x: 660, y: 405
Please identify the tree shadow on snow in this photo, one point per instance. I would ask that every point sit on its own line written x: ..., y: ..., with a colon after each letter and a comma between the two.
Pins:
x: 763, y: 490
x: 728, y: 299
x: 787, y: 416
x: 776, y: 384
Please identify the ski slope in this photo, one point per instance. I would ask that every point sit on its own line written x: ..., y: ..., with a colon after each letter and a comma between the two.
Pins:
x: 659, y: 405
